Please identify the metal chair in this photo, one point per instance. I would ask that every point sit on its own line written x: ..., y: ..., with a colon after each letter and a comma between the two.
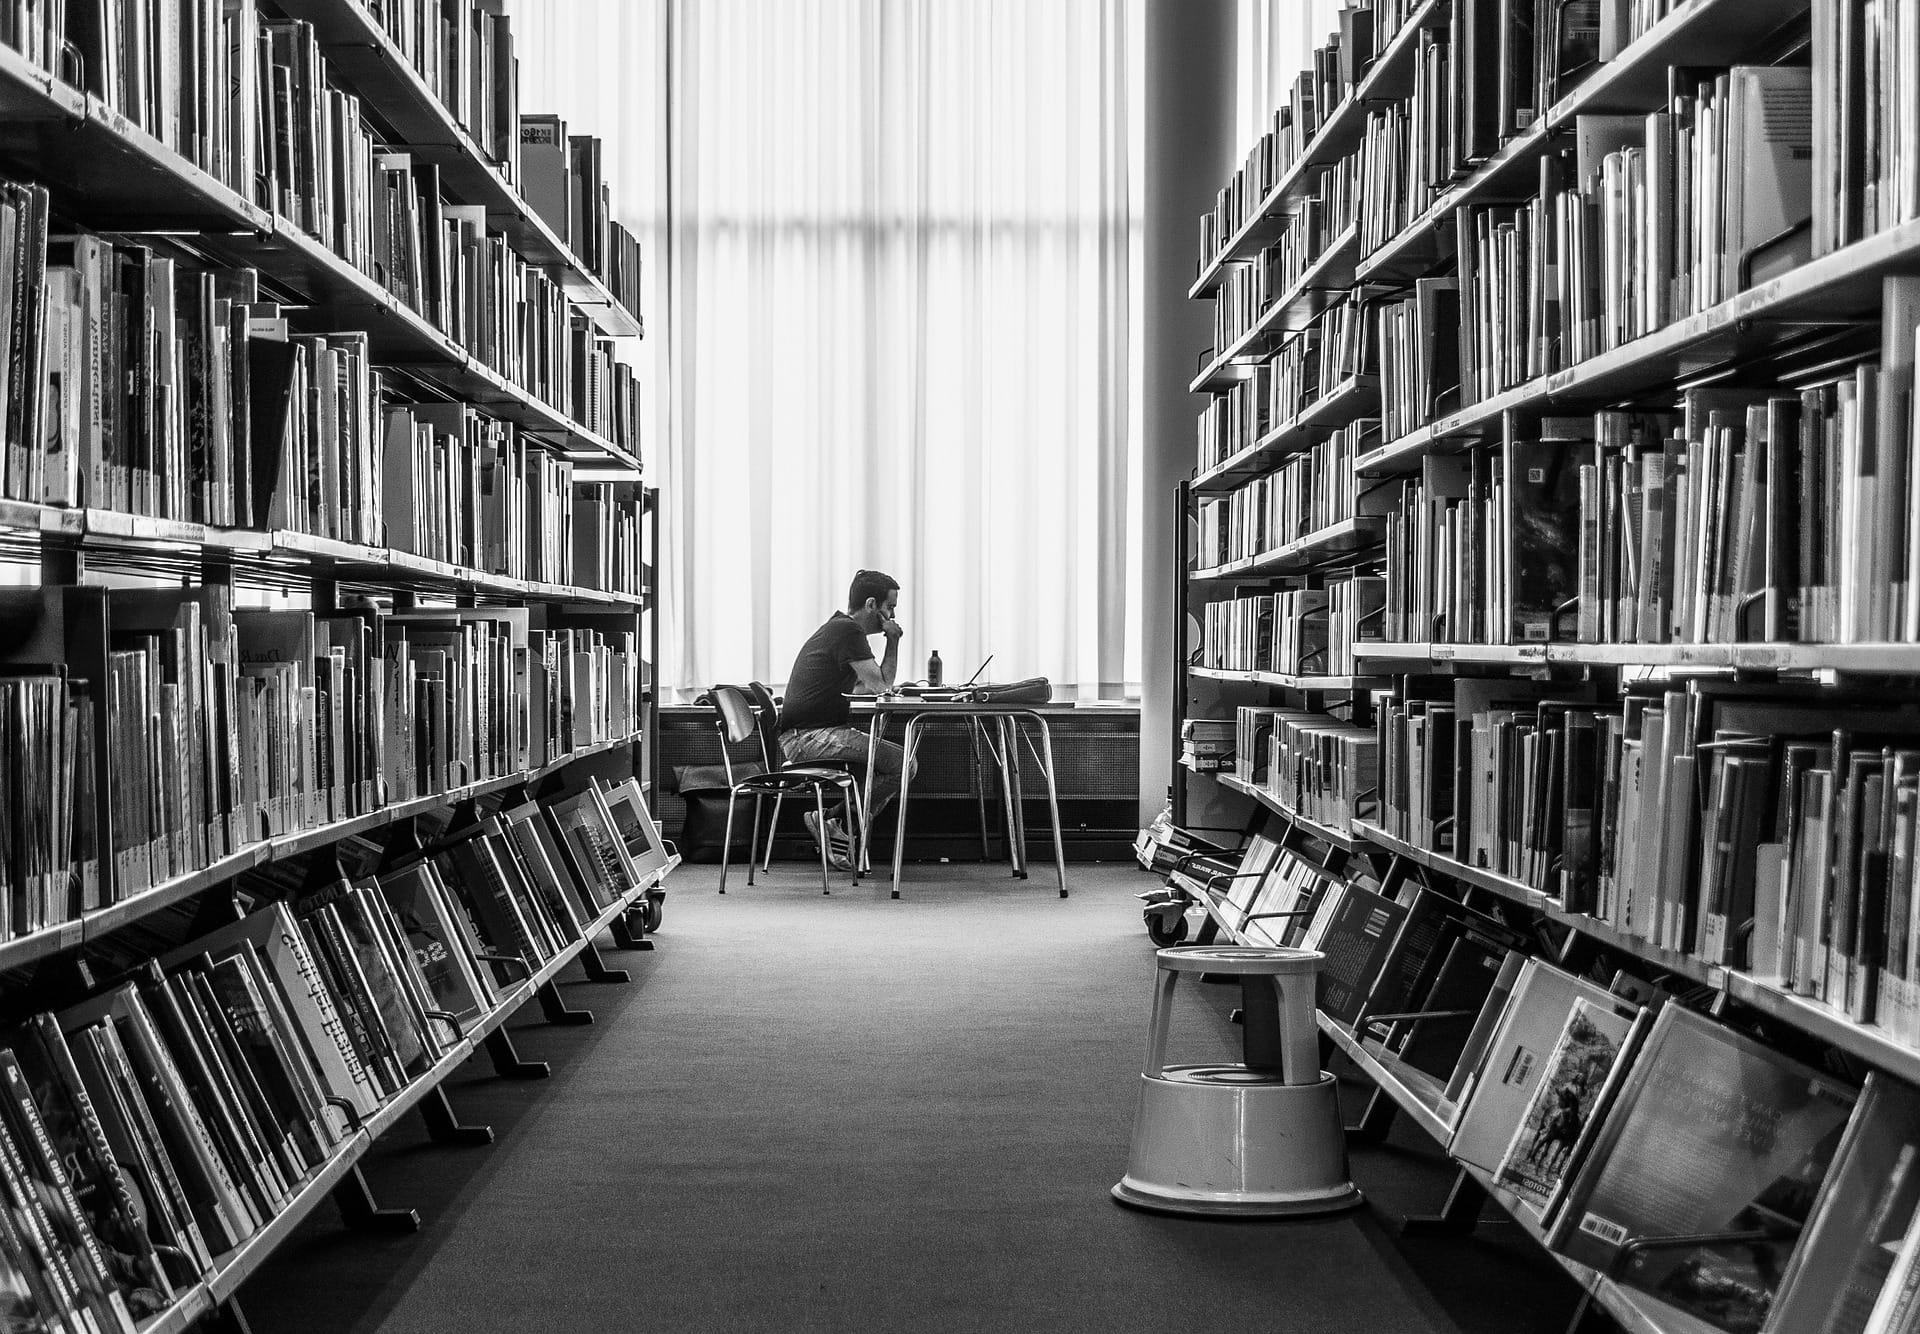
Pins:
x: 741, y: 717
x: 769, y: 705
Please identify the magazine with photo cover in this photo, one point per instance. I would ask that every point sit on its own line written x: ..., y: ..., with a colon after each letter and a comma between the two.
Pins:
x: 1713, y: 1135
x: 439, y: 947
x: 636, y: 826
x: 1543, y: 1143
x: 107, y: 1203
x: 1495, y: 1098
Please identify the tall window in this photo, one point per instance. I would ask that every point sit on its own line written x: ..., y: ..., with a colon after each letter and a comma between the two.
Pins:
x: 898, y: 302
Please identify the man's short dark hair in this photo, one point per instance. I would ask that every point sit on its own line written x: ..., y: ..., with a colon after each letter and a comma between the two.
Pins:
x: 869, y: 584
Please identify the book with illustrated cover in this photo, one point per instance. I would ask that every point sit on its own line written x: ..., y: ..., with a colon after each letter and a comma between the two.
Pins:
x: 1495, y: 1098
x: 436, y: 941
x: 1563, y: 1100
x: 636, y: 826
x: 45, y: 1174
x: 1717, y: 1139
x: 588, y: 836
x: 106, y: 1202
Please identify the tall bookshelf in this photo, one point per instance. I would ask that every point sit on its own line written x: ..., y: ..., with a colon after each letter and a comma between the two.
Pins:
x: 446, y: 486
x: 1451, y: 270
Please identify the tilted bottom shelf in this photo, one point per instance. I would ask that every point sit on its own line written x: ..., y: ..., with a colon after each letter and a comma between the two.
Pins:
x: 1412, y: 1092
x: 234, y: 1267
x: 1829, y: 1024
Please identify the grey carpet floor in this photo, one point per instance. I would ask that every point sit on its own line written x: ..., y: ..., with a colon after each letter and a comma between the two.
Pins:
x: 848, y: 1113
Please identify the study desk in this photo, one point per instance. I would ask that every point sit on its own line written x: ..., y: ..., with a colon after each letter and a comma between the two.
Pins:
x: 999, y: 726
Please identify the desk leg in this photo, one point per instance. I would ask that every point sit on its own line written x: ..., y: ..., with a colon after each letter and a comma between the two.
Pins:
x: 1053, y: 804
x: 908, y: 744
x: 1009, y: 797
x: 977, y: 735
x: 875, y: 730
x: 1018, y: 793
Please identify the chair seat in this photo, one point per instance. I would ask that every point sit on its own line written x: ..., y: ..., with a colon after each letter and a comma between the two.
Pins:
x: 791, y: 780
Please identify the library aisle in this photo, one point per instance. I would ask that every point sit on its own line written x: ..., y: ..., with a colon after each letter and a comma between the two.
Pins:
x: 847, y: 1114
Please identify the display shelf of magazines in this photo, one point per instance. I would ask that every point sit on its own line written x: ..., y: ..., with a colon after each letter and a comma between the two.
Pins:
x: 1390, y: 75
x: 1829, y: 1024
x: 1355, y: 397
x: 57, y: 938
x: 1693, y: 32
x: 1416, y: 1094
x: 1349, y: 535
x: 357, y: 45
x: 233, y: 1268
x: 101, y: 167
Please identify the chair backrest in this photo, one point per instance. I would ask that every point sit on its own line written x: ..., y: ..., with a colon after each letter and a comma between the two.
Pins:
x: 733, y: 709
x: 769, y: 725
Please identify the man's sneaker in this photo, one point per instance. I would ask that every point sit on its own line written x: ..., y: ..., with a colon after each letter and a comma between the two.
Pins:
x: 839, y: 846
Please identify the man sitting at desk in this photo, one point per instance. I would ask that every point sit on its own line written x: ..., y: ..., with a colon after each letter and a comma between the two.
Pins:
x: 815, y: 717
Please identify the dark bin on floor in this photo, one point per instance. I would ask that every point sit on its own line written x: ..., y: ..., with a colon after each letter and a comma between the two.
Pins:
x: 703, y: 787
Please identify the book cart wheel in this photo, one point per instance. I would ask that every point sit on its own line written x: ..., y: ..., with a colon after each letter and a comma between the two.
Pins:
x: 652, y: 913
x: 1165, y: 929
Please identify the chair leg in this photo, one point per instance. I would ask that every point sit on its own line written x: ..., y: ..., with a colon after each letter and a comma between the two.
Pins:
x: 726, y: 846
x: 753, y: 834
x: 857, y: 828
x: 766, y: 860
x: 820, y: 810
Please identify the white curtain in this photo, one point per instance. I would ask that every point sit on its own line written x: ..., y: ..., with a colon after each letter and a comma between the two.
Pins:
x: 897, y: 317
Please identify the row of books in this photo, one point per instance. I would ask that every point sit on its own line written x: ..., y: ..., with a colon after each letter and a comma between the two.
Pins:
x: 151, y: 1129
x: 1312, y: 226
x: 1746, y: 516
x: 1769, y: 833
x: 141, y: 386
x: 1486, y: 76
x: 1294, y: 632
x: 1866, y: 119
x: 209, y: 729
x: 1609, y: 1112
x: 1315, y: 363
x: 463, y: 52
x: 1311, y: 763
x: 1306, y: 494
x: 562, y: 179
x: 1318, y: 91
x: 316, y: 162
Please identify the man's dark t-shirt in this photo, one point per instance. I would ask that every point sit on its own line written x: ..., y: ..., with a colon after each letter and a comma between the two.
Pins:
x: 822, y: 674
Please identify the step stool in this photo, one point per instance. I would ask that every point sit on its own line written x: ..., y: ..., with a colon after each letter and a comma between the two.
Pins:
x: 1258, y: 1139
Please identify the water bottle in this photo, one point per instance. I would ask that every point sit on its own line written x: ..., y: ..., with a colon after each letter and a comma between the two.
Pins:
x: 933, y: 668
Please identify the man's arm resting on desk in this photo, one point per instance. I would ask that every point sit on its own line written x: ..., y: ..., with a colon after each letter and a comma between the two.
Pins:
x: 870, y: 677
